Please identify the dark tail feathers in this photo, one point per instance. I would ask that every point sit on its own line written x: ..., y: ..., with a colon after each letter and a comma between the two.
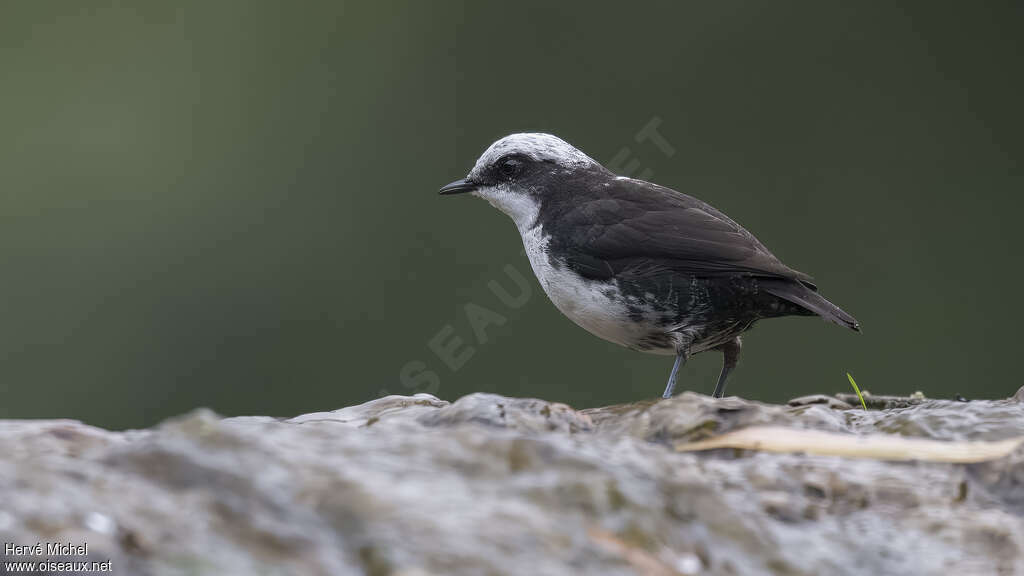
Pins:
x: 808, y: 298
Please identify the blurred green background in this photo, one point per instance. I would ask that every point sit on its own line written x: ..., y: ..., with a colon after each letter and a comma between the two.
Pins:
x: 233, y: 204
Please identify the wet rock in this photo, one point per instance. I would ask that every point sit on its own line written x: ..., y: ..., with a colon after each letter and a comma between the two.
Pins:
x: 522, y: 414
x: 881, y: 402
x: 830, y: 401
x: 496, y: 485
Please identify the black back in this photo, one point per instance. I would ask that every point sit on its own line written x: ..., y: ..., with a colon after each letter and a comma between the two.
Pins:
x: 610, y: 227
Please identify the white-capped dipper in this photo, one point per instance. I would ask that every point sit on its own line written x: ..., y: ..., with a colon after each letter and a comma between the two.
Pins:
x: 635, y: 263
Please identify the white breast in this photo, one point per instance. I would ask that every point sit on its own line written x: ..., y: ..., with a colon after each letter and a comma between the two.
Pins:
x: 583, y: 301
x: 597, y: 307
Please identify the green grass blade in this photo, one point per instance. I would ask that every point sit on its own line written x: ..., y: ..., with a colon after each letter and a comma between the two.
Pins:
x: 857, y: 390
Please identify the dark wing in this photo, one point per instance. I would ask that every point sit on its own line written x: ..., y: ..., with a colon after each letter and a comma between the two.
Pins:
x: 636, y: 228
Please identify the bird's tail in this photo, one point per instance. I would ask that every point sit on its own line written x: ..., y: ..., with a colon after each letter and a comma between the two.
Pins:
x: 809, y: 299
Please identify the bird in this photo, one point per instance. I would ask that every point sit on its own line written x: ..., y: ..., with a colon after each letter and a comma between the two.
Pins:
x: 635, y: 263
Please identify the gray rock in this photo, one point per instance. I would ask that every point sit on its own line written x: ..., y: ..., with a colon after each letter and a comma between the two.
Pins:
x: 495, y: 485
x: 830, y: 401
x: 882, y: 402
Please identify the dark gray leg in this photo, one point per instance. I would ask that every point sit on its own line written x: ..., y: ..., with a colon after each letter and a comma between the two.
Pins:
x: 680, y: 360
x: 730, y: 357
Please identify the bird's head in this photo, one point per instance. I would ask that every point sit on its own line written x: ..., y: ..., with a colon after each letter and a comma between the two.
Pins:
x: 516, y: 172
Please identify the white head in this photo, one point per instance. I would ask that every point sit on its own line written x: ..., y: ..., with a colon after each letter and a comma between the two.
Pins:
x: 535, y: 146
x: 512, y: 172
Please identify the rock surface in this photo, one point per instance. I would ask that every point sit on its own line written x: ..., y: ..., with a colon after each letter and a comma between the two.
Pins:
x: 495, y: 485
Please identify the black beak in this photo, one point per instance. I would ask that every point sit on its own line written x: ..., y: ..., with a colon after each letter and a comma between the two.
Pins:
x: 459, y: 187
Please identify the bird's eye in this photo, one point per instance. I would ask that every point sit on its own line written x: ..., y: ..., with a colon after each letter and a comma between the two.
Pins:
x: 509, y: 167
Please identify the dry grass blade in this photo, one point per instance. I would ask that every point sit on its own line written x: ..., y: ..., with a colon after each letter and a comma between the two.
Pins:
x: 645, y: 563
x: 875, y: 446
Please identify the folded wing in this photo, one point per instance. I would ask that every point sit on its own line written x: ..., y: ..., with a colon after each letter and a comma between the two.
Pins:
x: 639, y: 228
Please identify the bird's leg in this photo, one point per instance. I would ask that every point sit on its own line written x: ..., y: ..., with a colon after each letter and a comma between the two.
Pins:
x: 680, y: 360
x: 730, y: 357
